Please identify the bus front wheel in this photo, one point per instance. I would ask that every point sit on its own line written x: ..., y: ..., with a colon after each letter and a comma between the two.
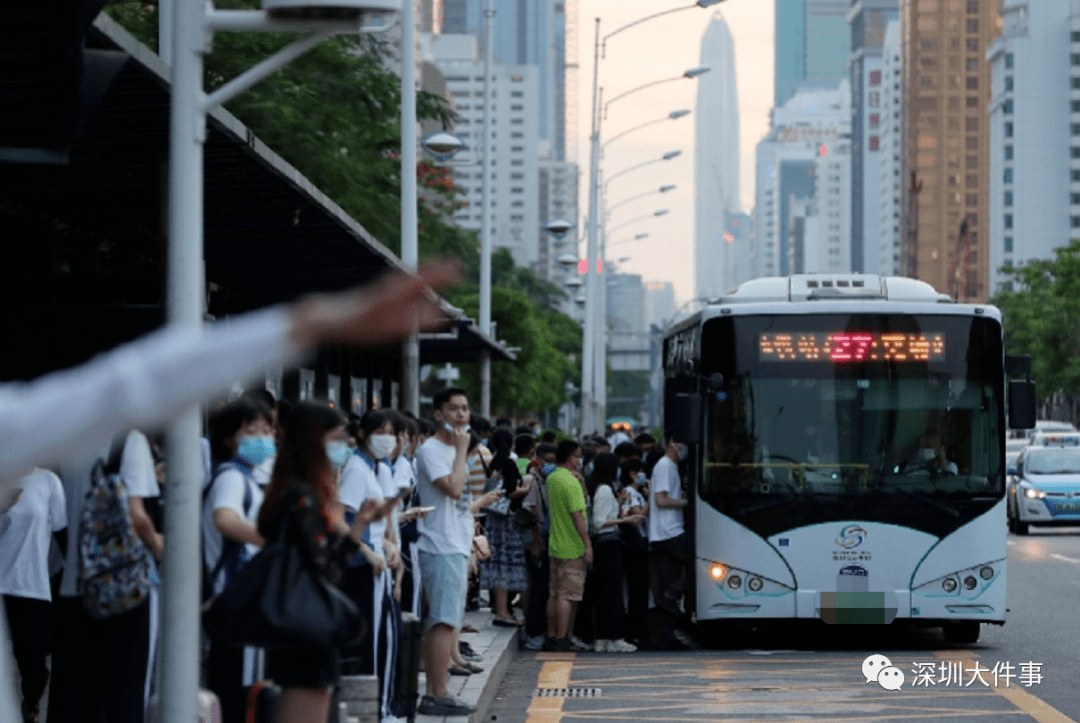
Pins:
x: 963, y: 632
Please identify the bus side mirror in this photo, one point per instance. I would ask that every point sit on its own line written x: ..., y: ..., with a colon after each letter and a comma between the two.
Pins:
x: 685, y: 419
x: 1021, y: 404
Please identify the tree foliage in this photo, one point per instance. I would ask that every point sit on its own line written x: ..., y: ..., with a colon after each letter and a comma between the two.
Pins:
x: 1042, y: 318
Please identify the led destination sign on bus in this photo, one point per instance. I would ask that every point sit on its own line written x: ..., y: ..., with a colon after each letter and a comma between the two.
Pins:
x: 850, y: 346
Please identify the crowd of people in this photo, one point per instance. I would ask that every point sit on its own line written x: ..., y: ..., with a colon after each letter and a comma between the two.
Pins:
x: 403, y: 514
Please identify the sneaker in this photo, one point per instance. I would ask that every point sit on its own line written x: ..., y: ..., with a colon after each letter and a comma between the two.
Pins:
x: 536, y: 643
x: 468, y: 653
x: 558, y: 645
x: 579, y: 644
x: 602, y: 646
x: 444, y: 706
x: 620, y: 646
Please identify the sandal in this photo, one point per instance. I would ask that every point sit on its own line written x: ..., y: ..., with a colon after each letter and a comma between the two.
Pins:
x: 459, y: 670
x: 506, y: 622
x: 468, y: 629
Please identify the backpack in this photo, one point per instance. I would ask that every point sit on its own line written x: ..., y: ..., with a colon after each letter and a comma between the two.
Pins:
x: 233, y: 553
x: 115, y: 565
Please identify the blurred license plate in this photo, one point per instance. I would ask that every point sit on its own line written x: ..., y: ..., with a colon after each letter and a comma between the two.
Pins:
x: 1068, y: 508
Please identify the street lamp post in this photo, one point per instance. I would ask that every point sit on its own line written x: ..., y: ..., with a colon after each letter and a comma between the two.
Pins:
x: 485, y: 221
x: 193, y: 24
x: 410, y: 252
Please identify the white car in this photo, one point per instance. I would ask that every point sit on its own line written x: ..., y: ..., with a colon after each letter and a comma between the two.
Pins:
x: 1045, y: 488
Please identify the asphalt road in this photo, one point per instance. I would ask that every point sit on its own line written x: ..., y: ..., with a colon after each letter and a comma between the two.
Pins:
x: 815, y: 673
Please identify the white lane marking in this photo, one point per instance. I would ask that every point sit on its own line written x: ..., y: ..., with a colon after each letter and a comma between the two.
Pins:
x: 1066, y: 559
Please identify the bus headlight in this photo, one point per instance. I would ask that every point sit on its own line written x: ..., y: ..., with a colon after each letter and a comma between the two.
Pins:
x: 967, y: 583
x: 755, y: 584
x: 734, y: 581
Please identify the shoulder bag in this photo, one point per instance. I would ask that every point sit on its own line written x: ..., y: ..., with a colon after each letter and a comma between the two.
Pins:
x: 280, y: 600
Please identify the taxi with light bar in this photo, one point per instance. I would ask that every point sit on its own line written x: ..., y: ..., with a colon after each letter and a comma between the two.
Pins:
x: 1044, y: 486
x: 1055, y: 439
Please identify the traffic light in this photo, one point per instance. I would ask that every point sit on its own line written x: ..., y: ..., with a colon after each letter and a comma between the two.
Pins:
x: 50, y: 83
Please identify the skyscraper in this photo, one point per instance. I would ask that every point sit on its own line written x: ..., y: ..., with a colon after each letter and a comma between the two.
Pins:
x: 786, y: 167
x: 890, y: 185
x: 812, y: 42
x: 868, y: 21
x: 515, y: 192
x: 716, y: 160
x: 1032, y: 211
x: 946, y: 87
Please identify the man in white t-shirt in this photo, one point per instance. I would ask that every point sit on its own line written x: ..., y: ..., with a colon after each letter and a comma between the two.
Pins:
x: 442, y: 476
x: 100, y: 668
x: 667, y: 540
x: 30, y: 513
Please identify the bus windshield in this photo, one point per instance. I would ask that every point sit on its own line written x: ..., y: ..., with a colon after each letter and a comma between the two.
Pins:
x: 893, y: 418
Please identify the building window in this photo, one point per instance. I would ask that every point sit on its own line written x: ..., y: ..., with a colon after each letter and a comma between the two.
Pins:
x: 517, y: 204
x: 517, y: 176
x: 1008, y: 106
x: 516, y: 78
x: 1009, y: 60
x: 1075, y: 105
x: 972, y: 82
x: 1008, y: 244
x: 1008, y: 198
x: 517, y: 162
x: 1008, y: 82
x: 1075, y: 36
x: 517, y: 189
x: 971, y: 143
x: 516, y: 121
x: 1008, y: 175
x: 971, y: 124
x: 875, y: 120
x: 973, y: 45
x: 1008, y: 220
x: 1074, y: 199
x: 973, y: 26
x: 517, y: 149
x: 1075, y: 58
x: 875, y: 77
x: 875, y: 143
x: 517, y: 107
x: 1075, y: 175
x: 972, y: 65
x: 1008, y: 153
x: 972, y: 181
x: 1075, y: 83
x: 1074, y: 129
x: 971, y: 200
x: 517, y: 94
x: 517, y: 135
x: 973, y: 7
x: 972, y: 101
x: 1074, y: 221
x: 1009, y: 130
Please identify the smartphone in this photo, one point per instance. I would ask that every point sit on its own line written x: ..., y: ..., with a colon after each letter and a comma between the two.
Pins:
x: 420, y: 510
x: 402, y: 494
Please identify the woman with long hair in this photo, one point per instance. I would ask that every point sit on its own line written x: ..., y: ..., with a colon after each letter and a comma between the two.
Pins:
x: 505, y: 571
x: 608, y: 563
x: 303, y: 495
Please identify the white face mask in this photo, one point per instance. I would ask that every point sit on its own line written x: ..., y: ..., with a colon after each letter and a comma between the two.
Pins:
x: 381, y: 445
x: 927, y: 454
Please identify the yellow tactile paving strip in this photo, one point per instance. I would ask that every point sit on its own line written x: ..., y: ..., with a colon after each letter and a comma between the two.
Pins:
x: 765, y: 690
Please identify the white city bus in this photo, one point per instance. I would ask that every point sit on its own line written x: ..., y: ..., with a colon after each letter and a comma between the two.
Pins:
x: 847, y: 452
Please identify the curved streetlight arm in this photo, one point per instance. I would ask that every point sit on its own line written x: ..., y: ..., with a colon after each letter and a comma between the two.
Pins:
x: 614, y: 138
x: 633, y: 220
x: 630, y: 169
x: 627, y: 241
x: 634, y: 198
x: 641, y: 87
x: 603, y: 44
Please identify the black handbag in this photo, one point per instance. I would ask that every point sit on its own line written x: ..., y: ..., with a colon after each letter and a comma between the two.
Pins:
x: 281, y: 600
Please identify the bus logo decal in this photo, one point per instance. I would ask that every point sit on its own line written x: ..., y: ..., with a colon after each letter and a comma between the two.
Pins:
x: 857, y: 570
x: 851, y: 537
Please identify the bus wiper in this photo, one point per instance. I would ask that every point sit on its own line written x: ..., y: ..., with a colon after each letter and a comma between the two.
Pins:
x: 926, y: 500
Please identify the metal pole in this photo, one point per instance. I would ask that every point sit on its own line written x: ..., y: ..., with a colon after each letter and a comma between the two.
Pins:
x: 183, y: 498
x: 600, y: 388
x: 410, y: 351
x: 588, y: 369
x: 165, y: 30
x: 485, y: 224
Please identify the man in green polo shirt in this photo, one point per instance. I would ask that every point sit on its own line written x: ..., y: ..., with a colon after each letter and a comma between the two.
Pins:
x: 569, y: 548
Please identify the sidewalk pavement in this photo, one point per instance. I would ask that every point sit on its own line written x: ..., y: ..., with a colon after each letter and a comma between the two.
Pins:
x: 497, y: 646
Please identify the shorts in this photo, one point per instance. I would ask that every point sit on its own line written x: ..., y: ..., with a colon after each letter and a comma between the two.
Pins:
x: 444, y: 579
x: 567, y: 580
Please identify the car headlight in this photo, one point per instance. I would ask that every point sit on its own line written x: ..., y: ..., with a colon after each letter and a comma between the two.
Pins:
x: 1033, y: 493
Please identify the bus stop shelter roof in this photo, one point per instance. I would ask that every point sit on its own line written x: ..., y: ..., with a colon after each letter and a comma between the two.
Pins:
x: 269, y: 234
